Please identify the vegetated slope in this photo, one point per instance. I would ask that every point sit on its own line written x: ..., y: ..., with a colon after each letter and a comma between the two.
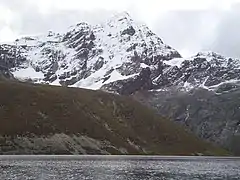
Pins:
x: 41, y: 119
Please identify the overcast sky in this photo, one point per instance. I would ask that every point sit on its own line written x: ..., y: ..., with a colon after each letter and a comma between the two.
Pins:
x: 187, y: 25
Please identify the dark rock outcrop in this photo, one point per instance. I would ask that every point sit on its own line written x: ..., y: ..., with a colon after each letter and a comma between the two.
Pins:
x: 129, y: 86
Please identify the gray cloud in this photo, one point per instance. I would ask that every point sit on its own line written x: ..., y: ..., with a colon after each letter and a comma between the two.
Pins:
x: 28, y: 19
x: 187, y: 30
x: 184, y: 30
x: 33, y: 22
x: 227, y: 39
x: 195, y: 31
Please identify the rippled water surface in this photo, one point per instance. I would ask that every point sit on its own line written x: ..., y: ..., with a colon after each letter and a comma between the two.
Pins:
x: 117, y: 168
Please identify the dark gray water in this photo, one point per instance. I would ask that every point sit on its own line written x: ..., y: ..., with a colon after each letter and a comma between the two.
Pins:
x: 117, y: 168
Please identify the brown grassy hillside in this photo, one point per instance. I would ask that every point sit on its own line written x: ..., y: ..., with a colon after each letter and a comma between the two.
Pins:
x: 42, y: 119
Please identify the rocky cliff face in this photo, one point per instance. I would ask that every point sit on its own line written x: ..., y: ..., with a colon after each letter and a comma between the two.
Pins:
x: 6, y: 61
x: 123, y: 56
x: 211, y: 116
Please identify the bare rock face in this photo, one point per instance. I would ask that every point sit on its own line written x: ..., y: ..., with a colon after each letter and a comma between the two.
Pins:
x: 9, y: 58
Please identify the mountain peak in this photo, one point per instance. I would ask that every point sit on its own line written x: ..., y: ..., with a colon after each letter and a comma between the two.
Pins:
x: 121, y: 16
x: 120, y: 20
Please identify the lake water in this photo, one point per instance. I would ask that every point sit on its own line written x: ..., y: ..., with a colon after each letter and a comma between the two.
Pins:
x: 118, y: 168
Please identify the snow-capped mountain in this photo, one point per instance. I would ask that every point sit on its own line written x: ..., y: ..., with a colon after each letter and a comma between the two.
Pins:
x: 89, y: 56
x: 120, y: 55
